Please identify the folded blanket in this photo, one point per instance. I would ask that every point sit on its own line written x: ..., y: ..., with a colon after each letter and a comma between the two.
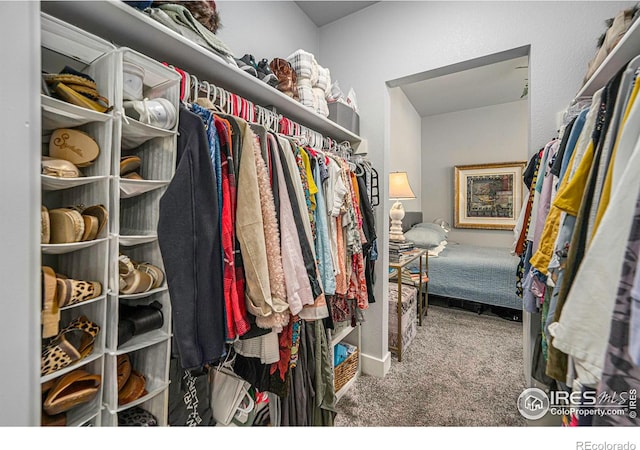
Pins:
x: 180, y: 19
x: 320, y: 102
x: 303, y: 63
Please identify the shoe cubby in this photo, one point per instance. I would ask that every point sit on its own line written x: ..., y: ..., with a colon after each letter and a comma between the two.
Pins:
x: 154, y: 407
x: 139, y: 215
x: 96, y: 193
x: 158, y: 81
x: 88, y: 264
x: 64, y: 45
x: 102, y: 134
x: 157, y: 166
x: 95, y: 312
x: 152, y: 362
x: 141, y: 340
x: 88, y: 412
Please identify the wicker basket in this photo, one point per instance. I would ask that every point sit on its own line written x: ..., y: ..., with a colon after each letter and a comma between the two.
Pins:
x: 346, y: 370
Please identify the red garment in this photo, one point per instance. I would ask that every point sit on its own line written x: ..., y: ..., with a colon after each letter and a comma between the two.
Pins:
x: 237, y: 320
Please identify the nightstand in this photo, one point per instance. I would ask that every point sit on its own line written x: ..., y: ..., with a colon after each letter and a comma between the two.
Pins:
x: 416, y: 254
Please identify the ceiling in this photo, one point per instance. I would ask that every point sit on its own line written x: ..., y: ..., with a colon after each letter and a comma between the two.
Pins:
x: 325, y: 12
x: 490, y: 84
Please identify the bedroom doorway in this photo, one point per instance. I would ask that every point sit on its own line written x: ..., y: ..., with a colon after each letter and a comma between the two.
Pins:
x: 475, y: 112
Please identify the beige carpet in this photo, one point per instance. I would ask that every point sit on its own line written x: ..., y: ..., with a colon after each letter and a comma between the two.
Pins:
x: 462, y: 369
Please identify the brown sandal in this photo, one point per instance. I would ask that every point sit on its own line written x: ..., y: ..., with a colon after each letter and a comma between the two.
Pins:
x: 133, y: 389
x: 123, y: 369
x: 75, y: 388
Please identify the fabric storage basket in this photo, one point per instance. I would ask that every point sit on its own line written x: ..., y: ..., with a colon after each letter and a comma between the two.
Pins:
x: 346, y: 370
x: 409, y: 315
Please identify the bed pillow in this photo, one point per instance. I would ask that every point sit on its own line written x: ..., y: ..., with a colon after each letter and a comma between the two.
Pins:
x: 425, y: 237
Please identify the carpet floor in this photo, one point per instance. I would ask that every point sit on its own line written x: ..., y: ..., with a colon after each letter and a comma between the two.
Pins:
x: 461, y: 370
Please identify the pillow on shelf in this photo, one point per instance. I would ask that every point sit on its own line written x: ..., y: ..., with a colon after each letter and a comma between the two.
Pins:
x: 426, y: 235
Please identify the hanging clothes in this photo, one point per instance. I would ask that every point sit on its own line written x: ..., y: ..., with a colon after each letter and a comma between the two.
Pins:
x: 188, y: 235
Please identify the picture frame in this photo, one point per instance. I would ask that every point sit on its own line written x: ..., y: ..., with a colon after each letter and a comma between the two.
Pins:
x: 488, y: 196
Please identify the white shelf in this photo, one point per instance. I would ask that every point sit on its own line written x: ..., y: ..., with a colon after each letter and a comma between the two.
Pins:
x: 130, y: 241
x: 622, y: 53
x: 60, y: 114
x: 123, y: 25
x: 58, y: 249
x: 143, y: 294
x: 51, y: 183
x: 141, y: 400
x: 132, y: 188
x: 342, y: 334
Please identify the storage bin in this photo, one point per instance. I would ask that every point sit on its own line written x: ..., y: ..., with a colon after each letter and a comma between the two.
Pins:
x: 409, y: 327
x: 344, y: 116
x: 346, y: 370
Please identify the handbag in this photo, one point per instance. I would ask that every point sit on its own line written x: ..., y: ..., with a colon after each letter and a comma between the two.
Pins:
x: 230, y: 396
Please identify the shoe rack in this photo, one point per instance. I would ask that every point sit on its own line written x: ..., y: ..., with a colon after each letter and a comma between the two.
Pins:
x: 133, y: 210
x: 63, y: 45
x: 136, y: 211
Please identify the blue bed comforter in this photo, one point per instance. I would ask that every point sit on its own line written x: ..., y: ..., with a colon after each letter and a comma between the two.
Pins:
x: 480, y: 274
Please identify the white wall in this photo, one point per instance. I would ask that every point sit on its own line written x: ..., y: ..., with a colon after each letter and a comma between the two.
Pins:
x: 405, y: 148
x: 492, y: 134
x: 20, y: 218
x: 393, y: 39
x: 266, y: 29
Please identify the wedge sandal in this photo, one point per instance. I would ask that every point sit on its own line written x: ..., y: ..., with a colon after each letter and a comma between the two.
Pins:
x: 66, y: 226
x: 50, y: 309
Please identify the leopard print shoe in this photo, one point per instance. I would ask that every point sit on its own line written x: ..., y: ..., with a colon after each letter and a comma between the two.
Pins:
x: 72, y: 292
x: 73, y: 343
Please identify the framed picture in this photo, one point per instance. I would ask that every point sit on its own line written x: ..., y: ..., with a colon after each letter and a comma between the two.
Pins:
x: 488, y: 196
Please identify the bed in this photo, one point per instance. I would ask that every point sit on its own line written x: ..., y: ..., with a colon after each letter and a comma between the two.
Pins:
x: 485, y: 275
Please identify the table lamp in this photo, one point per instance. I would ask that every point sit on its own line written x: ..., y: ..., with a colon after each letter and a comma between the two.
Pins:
x: 399, y: 189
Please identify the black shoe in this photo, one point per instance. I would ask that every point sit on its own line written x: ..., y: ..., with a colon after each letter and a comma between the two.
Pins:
x: 265, y: 74
x: 247, y: 67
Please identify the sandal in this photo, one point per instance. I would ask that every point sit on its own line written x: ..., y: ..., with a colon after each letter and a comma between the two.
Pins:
x: 50, y: 309
x: 60, y: 168
x: 73, y: 343
x: 154, y: 271
x: 124, y: 369
x: 136, y: 283
x: 45, y: 225
x: 129, y: 164
x: 58, y: 420
x: 98, y: 212
x: 133, y: 389
x: 71, y: 292
x: 66, y: 226
x: 74, y: 146
x: 70, y: 390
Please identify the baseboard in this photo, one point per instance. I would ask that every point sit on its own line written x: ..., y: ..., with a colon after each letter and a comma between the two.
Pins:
x: 376, y: 367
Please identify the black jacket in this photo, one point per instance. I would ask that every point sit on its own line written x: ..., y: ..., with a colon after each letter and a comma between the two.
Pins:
x: 189, y: 237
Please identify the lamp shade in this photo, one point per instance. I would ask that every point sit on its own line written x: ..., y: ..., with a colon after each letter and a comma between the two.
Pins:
x: 399, y: 187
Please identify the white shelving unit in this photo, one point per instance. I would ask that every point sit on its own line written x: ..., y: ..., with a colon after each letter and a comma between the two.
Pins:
x: 64, y: 45
x: 110, y: 23
x: 123, y: 25
x: 623, y: 52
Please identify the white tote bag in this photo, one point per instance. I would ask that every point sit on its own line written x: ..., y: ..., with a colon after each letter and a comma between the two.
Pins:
x: 229, y: 396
